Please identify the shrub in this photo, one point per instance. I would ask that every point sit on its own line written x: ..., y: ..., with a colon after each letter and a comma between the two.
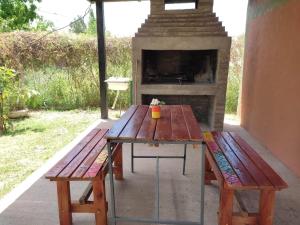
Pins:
x: 63, y: 69
x: 235, y: 74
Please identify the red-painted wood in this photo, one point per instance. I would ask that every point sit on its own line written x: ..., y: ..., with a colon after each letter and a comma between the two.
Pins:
x: 237, y: 165
x: 118, y: 127
x: 163, y: 127
x: 134, y: 124
x: 85, y: 165
x: 179, y: 127
x: 273, y: 177
x: 191, y: 123
x: 71, y: 155
x: 75, y: 163
x: 148, y: 127
x: 258, y: 175
x: 100, y: 161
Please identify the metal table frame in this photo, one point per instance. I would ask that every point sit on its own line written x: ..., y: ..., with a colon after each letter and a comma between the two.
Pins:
x: 156, y: 219
x: 157, y: 157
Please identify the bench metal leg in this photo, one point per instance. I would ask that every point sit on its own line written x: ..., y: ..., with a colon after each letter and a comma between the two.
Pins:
x: 64, y: 202
x: 100, y: 202
x: 226, y: 206
x: 266, y: 207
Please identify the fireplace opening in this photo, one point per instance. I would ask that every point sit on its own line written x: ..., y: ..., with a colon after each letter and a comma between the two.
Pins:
x: 202, y: 105
x: 179, y: 66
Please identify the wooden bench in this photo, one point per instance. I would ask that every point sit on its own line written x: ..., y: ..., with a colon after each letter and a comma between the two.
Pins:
x: 87, y: 161
x: 236, y: 166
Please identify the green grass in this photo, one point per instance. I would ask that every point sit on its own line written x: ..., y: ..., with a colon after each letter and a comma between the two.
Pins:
x: 36, y: 139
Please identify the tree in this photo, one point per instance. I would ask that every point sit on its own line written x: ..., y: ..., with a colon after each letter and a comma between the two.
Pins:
x: 92, y: 24
x: 78, y: 25
x: 17, y: 14
x: 40, y: 24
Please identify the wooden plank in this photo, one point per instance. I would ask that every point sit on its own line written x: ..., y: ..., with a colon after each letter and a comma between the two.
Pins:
x: 71, y: 155
x: 134, y: 124
x: 119, y: 125
x: 100, y: 202
x: 223, y: 165
x: 191, y: 123
x: 260, y: 179
x: 147, y: 128
x: 88, y: 161
x: 75, y: 163
x: 179, y: 129
x: 88, y: 207
x: 266, y: 207
x: 237, y: 165
x: 86, y: 194
x: 64, y: 202
x: 226, y: 206
x: 100, y: 161
x: 273, y: 177
x: 239, y: 219
x: 163, y: 126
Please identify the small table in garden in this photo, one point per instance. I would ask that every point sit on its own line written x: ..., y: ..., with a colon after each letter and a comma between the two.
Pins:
x: 177, y: 125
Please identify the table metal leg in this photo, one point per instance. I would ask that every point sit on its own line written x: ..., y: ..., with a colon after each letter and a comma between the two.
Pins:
x: 157, y: 189
x: 184, y: 159
x: 132, y: 158
x: 111, y: 178
x: 202, y: 178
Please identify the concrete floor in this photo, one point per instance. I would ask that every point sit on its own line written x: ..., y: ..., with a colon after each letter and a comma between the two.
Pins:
x: 135, y: 195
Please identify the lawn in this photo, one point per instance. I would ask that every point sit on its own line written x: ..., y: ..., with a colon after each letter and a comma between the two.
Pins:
x: 36, y: 139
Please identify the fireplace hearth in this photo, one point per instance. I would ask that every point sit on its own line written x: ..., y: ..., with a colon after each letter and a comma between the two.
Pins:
x: 179, y: 66
x: 182, y: 57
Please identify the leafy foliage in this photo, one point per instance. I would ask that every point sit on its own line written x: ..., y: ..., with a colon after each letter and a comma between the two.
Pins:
x: 17, y: 14
x: 235, y: 74
x: 78, y: 25
x: 92, y: 24
x: 62, y: 69
x: 7, y: 77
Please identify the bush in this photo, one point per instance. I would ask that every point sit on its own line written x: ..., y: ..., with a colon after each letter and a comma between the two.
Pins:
x: 63, y: 69
x: 235, y: 74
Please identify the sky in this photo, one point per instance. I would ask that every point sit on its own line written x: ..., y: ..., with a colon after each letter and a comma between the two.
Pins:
x: 124, y: 18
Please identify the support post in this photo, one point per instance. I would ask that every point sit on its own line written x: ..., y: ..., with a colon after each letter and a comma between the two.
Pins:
x: 102, y: 57
x: 64, y: 202
x: 266, y: 207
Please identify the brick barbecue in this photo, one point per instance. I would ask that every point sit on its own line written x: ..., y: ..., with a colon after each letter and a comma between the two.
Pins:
x: 182, y: 57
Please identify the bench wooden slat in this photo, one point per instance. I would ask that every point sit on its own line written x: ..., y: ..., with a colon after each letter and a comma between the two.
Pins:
x: 85, y: 165
x: 179, y: 127
x: 54, y: 172
x: 148, y: 127
x: 100, y: 161
x: 191, y: 122
x: 75, y: 163
x: 225, y: 168
x: 120, y: 124
x: 163, y: 126
x: 273, y: 177
x: 236, y: 164
x: 258, y: 175
x: 132, y: 127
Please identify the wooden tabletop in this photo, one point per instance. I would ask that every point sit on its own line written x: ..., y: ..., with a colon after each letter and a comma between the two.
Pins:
x: 177, y: 124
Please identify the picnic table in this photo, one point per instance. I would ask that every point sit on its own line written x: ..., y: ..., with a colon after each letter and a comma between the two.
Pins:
x: 177, y: 125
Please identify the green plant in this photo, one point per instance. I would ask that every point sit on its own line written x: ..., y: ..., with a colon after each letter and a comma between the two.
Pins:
x: 235, y: 74
x: 7, y: 77
x: 17, y: 14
